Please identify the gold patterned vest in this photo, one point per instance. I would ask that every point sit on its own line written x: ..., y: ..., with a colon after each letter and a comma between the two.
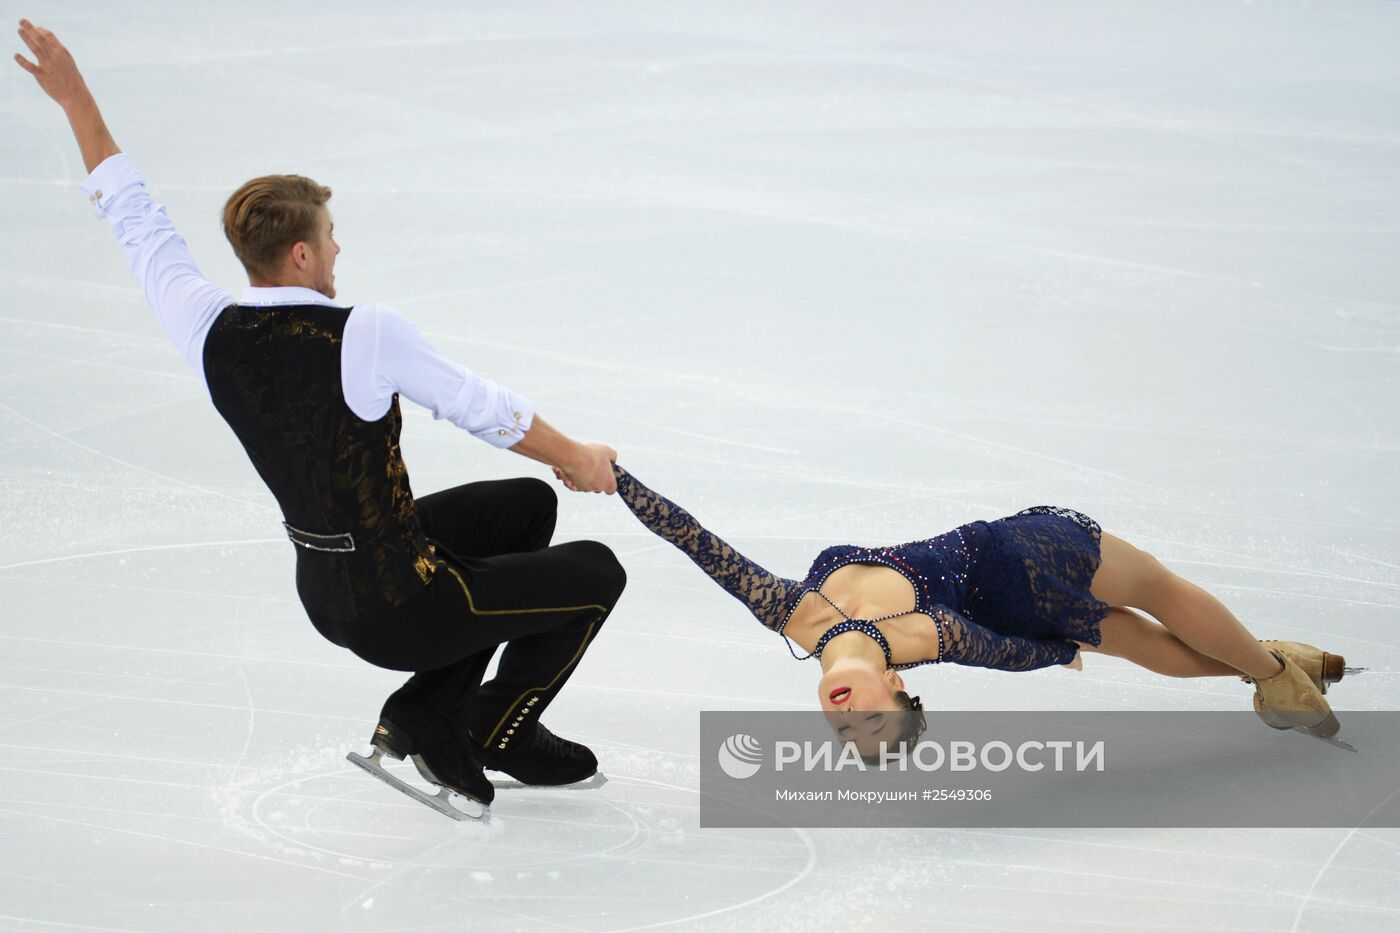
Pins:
x: 274, y: 375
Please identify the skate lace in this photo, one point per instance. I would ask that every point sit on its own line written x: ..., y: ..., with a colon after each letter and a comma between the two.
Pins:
x: 541, y: 741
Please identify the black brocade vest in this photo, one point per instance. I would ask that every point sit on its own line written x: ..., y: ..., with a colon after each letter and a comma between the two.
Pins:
x: 274, y: 375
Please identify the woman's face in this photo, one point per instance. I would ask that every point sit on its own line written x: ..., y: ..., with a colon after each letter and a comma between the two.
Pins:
x: 860, y: 706
x: 848, y: 688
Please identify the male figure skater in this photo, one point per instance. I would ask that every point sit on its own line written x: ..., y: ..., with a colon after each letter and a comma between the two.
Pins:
x: 311, y: 390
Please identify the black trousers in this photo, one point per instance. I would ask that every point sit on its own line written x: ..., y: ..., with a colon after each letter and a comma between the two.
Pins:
x: 502, y: 584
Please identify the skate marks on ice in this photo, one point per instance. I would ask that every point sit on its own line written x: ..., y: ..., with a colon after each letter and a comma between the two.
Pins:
x: 540, y: 858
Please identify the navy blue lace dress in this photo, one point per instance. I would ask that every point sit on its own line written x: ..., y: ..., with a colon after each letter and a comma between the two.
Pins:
x: 1006, y: 594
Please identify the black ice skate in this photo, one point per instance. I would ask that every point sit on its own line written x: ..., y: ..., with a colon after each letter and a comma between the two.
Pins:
x: 436, y: 751
x: 539, y: 758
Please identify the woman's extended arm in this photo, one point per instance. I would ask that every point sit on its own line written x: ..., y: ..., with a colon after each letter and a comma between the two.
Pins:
x: 765, y: 594
x: 966, y: 642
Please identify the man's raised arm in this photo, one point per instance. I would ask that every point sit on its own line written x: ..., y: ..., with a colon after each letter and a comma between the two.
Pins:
x: 187, y: 304
x: 156, y: 253
x: 58, y: 75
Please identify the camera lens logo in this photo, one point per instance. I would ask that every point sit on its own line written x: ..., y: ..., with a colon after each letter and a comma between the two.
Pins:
x: 740, y: 756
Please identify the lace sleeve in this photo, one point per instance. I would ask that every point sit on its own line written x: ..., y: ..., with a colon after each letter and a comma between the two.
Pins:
x: 765, y: 594
x: 966, y: 642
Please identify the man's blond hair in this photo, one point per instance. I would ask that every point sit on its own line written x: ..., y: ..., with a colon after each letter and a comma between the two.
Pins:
x: 267, y: 215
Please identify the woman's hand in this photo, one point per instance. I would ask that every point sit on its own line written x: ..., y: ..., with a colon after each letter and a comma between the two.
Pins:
x: 1077, y: 664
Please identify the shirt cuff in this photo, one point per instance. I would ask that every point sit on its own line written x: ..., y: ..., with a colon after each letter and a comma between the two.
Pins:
x: 114, y: 175
x: 514, y: 417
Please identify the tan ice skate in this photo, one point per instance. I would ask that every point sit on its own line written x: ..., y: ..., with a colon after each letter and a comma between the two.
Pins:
x: 1289, y: 699
x: 1322, y: 668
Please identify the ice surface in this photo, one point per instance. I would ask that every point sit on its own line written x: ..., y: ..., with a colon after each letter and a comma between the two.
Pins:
x: 821, y: 272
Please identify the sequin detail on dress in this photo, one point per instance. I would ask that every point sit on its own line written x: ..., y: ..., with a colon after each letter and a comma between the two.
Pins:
x: 960, y: 640
x: 951, y: 574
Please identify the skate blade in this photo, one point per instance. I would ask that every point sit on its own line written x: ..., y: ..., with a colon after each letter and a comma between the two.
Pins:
x: 1330, y: 740
x: 438, y: 802
x: 1340, y: 674
x: 596, y: 781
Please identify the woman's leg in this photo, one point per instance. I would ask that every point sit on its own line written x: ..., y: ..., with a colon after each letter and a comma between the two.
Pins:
x: 1147, y: 644
x: 1128, y: 576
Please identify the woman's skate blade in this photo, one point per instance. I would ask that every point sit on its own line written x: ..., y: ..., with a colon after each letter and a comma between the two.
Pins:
x: 438, y: 802
x: 1330, y: 740
x: 588, y: 783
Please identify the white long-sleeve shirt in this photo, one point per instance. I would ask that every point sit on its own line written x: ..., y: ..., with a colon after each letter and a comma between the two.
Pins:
x: 381, y: 352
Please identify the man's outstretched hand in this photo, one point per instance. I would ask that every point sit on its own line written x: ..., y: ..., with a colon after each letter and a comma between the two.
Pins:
x: 53, y: 67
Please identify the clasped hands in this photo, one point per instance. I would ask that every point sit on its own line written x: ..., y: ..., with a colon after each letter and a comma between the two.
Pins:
x: 590, y: 471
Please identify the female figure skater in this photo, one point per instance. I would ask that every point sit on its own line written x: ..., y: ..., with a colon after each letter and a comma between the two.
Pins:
x: 1015, y: 594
